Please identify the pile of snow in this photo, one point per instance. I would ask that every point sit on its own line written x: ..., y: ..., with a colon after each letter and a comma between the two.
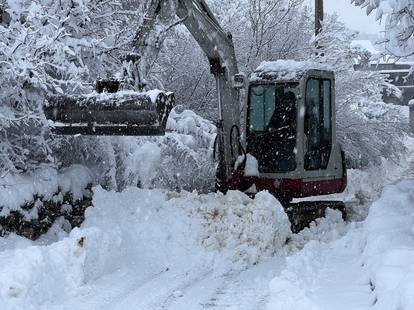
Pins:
x: 96, y: 100
x: 248, y: 229
x: 389, y: 252
x: 120, y: 96
x: 324, y: 229
x: 34, y: 276
x: 146, y: 232
x: 19, y: 190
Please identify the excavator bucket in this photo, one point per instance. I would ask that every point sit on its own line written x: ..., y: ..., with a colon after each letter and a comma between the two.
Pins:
x: 124, y: 113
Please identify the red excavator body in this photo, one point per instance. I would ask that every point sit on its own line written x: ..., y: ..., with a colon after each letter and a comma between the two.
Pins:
x: 290, y: 132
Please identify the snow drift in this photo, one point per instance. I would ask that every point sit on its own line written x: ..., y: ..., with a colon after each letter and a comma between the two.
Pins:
x: 370, y: 267
x: 147, y: 231
x: 389, y: 251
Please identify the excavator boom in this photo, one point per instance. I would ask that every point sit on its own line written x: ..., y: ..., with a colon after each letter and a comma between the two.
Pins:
x: 217, y: 45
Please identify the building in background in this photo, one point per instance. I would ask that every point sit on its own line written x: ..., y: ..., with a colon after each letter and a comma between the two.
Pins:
x: 400, y: 73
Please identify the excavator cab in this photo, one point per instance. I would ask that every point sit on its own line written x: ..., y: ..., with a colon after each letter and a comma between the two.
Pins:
x: 290, y: 130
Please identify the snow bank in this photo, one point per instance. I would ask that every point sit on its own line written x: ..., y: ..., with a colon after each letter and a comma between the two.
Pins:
x: 147, y: 232
x: 33, y: 277
x: 389, y: 252
x: 368, y: 265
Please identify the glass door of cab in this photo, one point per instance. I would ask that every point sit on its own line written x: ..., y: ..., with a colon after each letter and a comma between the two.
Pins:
x: 272, y: 126
x: 318, y: 124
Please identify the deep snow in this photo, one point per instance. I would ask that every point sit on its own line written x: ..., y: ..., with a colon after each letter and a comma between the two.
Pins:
x: 144, y: 233
x: 153, y: 249
x: 370, y: 267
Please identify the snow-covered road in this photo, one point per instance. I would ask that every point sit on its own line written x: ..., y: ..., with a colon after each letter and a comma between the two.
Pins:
x: 151, y: 250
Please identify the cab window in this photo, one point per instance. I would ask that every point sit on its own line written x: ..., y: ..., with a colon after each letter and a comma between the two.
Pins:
x: 318, y: 123
x: 272, y: 126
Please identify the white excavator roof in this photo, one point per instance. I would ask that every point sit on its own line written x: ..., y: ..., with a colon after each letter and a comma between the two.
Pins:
x: 289, y: 70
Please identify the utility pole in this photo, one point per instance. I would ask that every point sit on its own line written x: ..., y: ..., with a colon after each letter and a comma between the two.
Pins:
x: 318, y: 16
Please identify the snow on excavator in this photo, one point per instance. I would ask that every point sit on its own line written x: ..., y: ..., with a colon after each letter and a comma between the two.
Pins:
x: 285, y: 130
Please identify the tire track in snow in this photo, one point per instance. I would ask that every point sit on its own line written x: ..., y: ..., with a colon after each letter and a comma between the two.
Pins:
x: 110, y: 290
x: 188, y: 292
x: 247, y: 289
x: 325, y: 276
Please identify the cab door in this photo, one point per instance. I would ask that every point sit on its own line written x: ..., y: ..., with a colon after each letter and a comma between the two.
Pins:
x: 318, y: 124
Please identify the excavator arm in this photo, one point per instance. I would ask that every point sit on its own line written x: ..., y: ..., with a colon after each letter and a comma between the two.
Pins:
x: 217, y: 45
x: 219, y: 49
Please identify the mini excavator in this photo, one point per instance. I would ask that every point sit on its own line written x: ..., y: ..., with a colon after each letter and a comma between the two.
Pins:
x: 286, y: 122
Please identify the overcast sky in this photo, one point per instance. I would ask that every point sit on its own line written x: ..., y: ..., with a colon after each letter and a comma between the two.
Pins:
x: 355, y: 18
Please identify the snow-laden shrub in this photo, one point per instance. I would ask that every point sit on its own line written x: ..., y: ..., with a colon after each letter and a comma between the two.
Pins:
x: 187, y: 154
x: 367, y: 128
x: 180, y: 160
x: 30, y: 204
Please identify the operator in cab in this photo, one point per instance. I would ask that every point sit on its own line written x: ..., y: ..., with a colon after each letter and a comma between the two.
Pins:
x: 273, y: 126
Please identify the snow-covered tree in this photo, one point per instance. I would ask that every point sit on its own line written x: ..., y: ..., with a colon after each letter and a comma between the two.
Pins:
x: 399, y: 23
x: 366, y: 139
x: 261, y: 30
x: 52, y: 47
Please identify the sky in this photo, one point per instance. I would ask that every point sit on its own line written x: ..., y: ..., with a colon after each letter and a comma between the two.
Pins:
x: 355, y: 18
